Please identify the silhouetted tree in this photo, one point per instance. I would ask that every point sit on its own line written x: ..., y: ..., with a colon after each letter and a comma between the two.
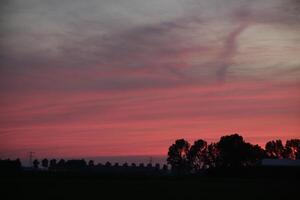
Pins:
x: 18, y: 163
x: 157, y: 166
x: 235, y: 152
x: 275, y: 149
x: 52, y: 164
x: 107, y: 164
x: 133, y: 165
x: 141, y: 165
x: 212, y: 156
x: 165, y: 167
x: 45, y: 163
x: 116, y: 164
x: 177, y: 155
x: 292, y: 149
x: 91, y: 163
x: 149, y: 165
x: 253, y: 154
x: 76, y: 165
x: 197, y: 155
x: 36, y: 163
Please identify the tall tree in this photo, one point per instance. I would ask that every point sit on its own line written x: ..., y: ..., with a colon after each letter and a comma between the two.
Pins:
x: 91, y: 163
x: 36, y: 163
x: 275, y: 149
x: 198, y: 155
x: 45, y: 163
x: 52, y: 164
x: 292, y: 149
x: 235, y: 152
x: 212, y: 156
x: 253, y: 154
x: 229, y: 148
x: 177, y: 155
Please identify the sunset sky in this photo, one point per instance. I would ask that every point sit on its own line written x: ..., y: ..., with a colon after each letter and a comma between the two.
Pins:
x: 128, y: 77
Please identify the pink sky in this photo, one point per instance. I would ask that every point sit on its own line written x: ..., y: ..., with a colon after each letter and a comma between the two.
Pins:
x: 127, y: 78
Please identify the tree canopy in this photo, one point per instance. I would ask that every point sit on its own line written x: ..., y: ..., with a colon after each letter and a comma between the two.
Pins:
x: 230, y: 151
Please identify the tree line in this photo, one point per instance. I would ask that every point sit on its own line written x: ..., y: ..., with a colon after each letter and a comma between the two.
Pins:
x: 81, y: 164
x: 230, y: 151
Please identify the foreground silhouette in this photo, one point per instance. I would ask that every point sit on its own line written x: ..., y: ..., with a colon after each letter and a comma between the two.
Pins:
x: 231, y: 151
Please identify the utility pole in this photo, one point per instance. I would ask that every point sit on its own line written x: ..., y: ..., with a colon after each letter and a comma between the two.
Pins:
x: 31, y: 154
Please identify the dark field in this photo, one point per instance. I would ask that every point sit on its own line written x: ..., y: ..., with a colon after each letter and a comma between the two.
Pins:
x: 47, y: 186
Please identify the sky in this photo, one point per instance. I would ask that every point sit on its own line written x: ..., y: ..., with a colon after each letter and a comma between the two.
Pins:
x: 128, y: 77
